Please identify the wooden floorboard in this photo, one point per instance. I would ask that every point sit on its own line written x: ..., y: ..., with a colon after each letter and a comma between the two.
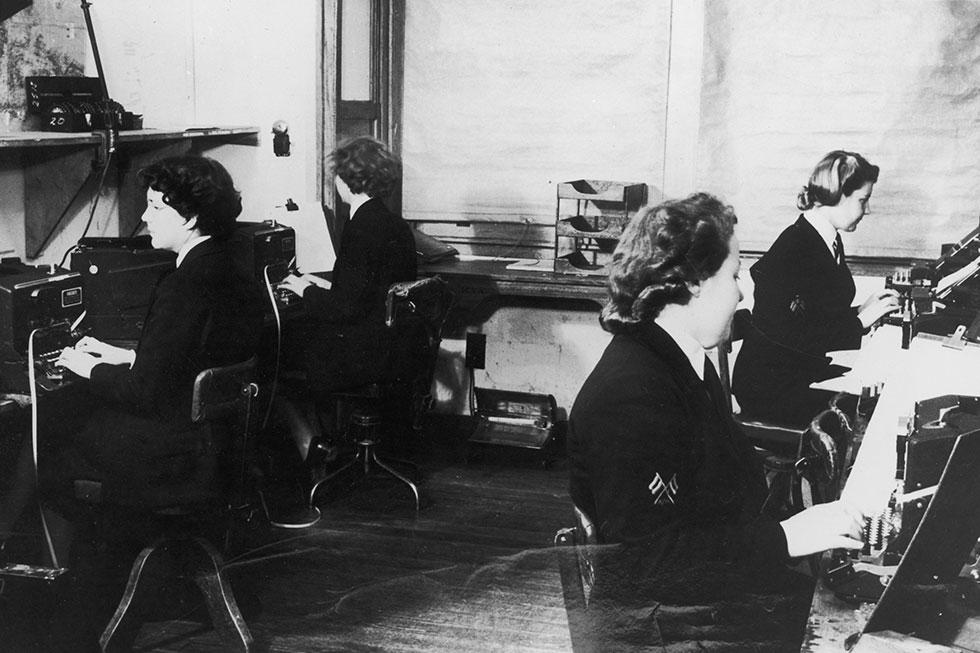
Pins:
x: 473, y: 571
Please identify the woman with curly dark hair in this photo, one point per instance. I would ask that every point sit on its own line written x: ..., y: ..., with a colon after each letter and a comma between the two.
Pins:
x: 140, y: 443
x: 376, y: 248
x: 342, y: 341
x: 659, y: 465
x: 135, y: 447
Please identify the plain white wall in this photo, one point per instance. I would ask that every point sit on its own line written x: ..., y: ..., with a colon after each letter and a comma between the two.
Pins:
x: 198, y: 64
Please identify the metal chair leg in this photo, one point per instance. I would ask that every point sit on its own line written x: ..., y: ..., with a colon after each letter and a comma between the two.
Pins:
x: 341, y: 470
x: 225, y: 616
x: 399, y: 476
x: 122, y: 629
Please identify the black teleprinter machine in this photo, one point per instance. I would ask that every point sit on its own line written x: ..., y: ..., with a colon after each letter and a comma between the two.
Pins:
x: 922, y: 457
x: 941, y: 297
x: 33, y: 298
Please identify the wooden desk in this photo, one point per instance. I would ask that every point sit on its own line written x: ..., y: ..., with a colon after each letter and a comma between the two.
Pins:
x: 481, y: 285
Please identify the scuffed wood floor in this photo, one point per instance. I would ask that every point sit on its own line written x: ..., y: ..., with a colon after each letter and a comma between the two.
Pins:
x: 472, y: 572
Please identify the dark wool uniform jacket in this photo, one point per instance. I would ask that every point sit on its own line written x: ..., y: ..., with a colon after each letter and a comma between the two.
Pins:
x: 659, y: 465
x: 664, y: 472
x: 343, y: 342
x: 140, y: 441
x: 802, y: 310
x: 376, y: 250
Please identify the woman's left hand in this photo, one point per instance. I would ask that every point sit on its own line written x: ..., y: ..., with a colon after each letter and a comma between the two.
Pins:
x: 78, y: 362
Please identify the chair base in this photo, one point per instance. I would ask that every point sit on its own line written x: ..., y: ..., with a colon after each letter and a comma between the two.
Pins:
x: 366, y: 455
x: 203, y: 561
x: 302, y: 517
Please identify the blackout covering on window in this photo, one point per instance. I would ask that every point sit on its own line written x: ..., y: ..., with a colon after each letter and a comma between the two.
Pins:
x: 897, y: 80
x: 503, y: 100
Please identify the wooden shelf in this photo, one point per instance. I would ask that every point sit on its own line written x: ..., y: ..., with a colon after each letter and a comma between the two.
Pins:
x: 56, y: 164
x: 55, y: 139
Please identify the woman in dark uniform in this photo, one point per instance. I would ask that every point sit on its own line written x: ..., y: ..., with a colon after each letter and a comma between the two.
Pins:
x: 661, y: 468
x: 803, y: 296
x: 140, y: 443
x: 342, y: 342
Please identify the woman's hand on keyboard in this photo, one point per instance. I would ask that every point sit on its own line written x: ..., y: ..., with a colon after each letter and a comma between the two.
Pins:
x: 834, y: 525
x: 105, y: 352
x: 78, y: 362
x: 296, y: 284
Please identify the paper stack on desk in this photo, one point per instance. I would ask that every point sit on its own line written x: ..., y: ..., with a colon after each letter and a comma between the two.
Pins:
x: 926, y: 369
x: 870, y: 365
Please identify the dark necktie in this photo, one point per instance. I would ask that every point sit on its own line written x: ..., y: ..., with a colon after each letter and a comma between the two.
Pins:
x: 838, y: 249
x: 713, y: 385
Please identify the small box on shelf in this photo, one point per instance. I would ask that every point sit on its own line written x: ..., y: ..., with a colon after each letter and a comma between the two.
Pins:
x: 590, y: 215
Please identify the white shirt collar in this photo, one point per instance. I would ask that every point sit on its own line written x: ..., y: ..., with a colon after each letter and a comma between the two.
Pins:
x: 357, y: 202
x: 188, y: 246
x: 688, y: 344
x: 824, y: 229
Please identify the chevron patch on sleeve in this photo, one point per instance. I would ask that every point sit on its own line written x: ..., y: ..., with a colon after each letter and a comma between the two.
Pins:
x: 663, y: 493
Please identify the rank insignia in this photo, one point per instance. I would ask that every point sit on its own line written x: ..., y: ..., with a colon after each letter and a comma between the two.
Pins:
x: 662, y: 492
x: 796, y: 305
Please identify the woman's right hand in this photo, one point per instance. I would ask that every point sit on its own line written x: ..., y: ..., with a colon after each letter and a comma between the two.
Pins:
x: 105, y: 352
x: 295, y: 284
x: 834, y: 525
x: 877, y: 306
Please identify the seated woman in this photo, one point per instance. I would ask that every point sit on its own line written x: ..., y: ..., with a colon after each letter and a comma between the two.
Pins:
x: 139, y: 442
x: 803, y: 296
x: 343, y: 340
x: 661, y: 468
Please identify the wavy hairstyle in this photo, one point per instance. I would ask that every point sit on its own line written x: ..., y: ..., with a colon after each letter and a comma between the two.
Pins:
x: 661, y: 251
x: 837, y: 175
x: 196, y: 187
x: 367, y: 166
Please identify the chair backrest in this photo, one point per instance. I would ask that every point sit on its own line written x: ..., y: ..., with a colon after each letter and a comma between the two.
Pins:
x: 416, y: 311
x: 577, y: 570
x: 824, y: 454
x: 226, y: 395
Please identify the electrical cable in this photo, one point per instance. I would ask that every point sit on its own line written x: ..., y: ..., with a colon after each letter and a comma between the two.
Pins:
x: 32, y: 379
x: 518, y: 243
x: 98, y: 193
x: 275, y: 372
x: 95, y: 204
x: 61, y: 217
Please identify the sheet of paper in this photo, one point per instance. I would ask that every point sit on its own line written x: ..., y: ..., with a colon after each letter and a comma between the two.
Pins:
x: 314, y: 251
x: 880, y: 351
x: 927, y: 369
x: 955, y: 278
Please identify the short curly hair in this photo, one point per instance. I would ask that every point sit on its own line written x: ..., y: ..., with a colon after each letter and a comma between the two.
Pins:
x: 367, y: 166
x: 661, y: 251
x: 196, y: 187
x: 838, y: 175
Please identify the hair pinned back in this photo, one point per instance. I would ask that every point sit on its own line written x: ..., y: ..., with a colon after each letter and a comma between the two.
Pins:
x: 662, y: 250
x: 837, y: 175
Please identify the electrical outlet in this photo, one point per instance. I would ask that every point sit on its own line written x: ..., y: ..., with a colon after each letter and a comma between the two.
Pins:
x: 476, y: 351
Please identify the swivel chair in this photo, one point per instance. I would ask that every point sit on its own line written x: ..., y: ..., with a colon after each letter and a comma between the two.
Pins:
x: 577, y: 570
x: 414, y: 315
x: 223, y: 397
